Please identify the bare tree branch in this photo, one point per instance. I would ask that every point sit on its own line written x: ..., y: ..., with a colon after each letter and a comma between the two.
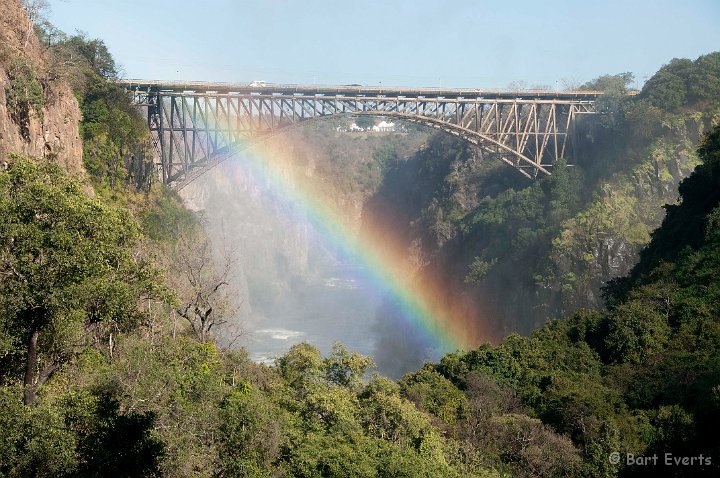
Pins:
x: 205, y: 302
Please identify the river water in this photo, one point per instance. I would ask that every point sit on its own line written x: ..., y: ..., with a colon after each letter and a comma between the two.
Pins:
x: 338, y: 306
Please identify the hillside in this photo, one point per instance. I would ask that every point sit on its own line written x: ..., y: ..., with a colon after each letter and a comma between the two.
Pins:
x: 639, y: 378
x: 39, y: 114
x: 529, y: 251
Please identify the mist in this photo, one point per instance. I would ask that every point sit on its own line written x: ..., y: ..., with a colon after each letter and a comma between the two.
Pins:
x: 290, y: 282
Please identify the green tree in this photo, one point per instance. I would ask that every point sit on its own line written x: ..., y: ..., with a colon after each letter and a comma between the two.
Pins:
x: 364, y: 121
x: 637, y: 330
x: 69, y: 275
x: 251, y: 434
x: 346, y: 368
x: 95, y: 53
x: 615, y: 87
x: 110, y: 442
x: 432, y: 392
x: 705, y: 83
x: 610, y: 84
x: 301, y: 365
x: 34, y: 441
x: 668, y: 88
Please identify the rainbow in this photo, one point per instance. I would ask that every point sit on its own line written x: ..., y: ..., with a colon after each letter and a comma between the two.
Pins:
x: 423, y: 306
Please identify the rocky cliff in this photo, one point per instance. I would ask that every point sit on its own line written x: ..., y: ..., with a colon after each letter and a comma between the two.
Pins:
x: 39, y: 115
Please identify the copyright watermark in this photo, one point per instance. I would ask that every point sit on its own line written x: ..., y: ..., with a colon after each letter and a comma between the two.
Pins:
x: 665, y: 459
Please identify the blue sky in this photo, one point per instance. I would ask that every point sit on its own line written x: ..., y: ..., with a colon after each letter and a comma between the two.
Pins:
x: 480, y: 43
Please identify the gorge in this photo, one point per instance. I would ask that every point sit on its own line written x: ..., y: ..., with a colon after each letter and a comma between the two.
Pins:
x: 283, y: 315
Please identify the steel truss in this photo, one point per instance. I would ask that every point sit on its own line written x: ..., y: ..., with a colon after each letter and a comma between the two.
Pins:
x: 194, y: 130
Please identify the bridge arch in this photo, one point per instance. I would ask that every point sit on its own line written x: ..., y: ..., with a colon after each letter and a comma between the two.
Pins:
x: 479, y: 140
x: 474, y: 137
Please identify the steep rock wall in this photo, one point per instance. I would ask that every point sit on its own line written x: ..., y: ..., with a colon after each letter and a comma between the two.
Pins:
x: 54, y: 134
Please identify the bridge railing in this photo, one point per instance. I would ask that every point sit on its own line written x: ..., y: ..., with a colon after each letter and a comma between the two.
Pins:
x: 203, y: 87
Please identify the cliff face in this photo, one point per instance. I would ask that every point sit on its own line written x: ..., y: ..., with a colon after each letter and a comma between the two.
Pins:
x: 52, y: 131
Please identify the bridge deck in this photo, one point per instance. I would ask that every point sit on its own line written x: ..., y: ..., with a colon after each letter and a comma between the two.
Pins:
x: 355, y: 90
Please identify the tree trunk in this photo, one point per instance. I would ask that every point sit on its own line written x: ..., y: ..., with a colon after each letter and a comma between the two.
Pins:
x: 30, y: 367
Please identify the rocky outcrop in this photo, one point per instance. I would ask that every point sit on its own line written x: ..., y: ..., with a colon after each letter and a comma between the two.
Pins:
x: 52, y: 132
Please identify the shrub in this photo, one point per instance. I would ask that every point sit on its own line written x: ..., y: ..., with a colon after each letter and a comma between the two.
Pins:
x: 24, y: 94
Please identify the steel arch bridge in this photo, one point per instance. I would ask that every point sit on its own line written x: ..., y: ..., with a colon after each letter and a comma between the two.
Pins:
x: 195, y: 124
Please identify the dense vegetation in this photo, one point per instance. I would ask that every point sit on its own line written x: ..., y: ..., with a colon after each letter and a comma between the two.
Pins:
x: 532, y: 250
x: 98, y: 377
x: 127, y: 393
